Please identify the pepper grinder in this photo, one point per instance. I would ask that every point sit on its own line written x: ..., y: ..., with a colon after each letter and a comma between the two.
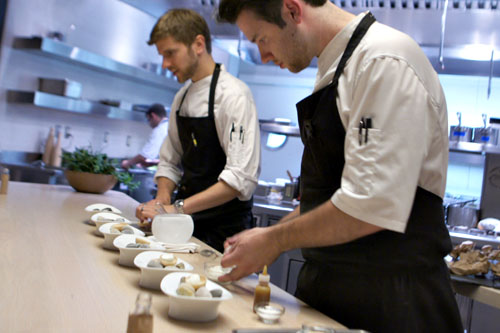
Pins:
x: 5, y: 180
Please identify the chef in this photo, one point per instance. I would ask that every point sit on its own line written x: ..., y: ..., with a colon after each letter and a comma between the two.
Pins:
x: 370, y: 222
x: 157, y: 119
x: 212, y: 152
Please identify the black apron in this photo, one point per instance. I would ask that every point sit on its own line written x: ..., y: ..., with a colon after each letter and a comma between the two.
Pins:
x: 385, y: 282
x: 202, y: 161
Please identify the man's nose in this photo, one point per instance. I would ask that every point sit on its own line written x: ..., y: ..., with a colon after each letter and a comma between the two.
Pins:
x: 265, y: 55
x: 165, y: 63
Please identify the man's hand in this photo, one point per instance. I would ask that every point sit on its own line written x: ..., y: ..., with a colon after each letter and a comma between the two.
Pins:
x: 149, y: 209
x: 249, y: 250
x: 126, y: 164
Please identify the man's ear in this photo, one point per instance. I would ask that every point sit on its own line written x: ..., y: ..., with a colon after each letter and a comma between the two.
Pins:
x: 199, y: 44
x: 292, y: 10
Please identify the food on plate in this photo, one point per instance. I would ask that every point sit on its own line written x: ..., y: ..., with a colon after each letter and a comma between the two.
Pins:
x: 463, y: 247
x: 216, y: 292
x: 471, y: 262
x: 196, y: 280
x: 168, y: 259
x: 203, y: 292
x: 122, y: 228
x: 140, y: 243
x: 185, y: 289
x: 195, y: 285
x: 494, y: 255
x: 495, y: 268
x: 486, y: 249
x: 155, y: 263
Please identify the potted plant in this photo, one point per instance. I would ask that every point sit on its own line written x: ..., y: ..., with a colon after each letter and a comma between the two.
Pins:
x: 91, y: 172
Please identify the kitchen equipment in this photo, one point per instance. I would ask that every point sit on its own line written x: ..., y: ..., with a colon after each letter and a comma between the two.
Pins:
x: 460, y: 133
x: 463, y: 214
x: 61, y: 87
x: 486, y: 134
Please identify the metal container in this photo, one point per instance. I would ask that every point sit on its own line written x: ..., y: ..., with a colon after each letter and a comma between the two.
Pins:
x: 486, y: 134
x: 61, y: 87
x: 460, y: 133
x: 465, y: 214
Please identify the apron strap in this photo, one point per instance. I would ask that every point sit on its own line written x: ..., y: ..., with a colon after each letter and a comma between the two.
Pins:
x: 213, y: 84
x: 357, y: 35
x: 211, y: 97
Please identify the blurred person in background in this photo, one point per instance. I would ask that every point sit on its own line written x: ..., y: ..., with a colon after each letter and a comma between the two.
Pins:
x: 157, y: 119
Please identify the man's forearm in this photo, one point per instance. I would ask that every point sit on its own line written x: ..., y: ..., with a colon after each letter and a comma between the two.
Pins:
x: 325, y: 225
x: 165, y: 189
x: 293, y: 214
x: 214, y: 196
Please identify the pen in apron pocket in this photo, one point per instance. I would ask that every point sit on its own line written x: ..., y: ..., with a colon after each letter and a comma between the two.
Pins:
x: 231, y: 133
x: 194, y: 140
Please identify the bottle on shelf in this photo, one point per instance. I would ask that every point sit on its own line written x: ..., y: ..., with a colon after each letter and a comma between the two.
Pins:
x: 49, y: 145
x: 141, y: 320
x: 262, y: 291
x: 56, y: 155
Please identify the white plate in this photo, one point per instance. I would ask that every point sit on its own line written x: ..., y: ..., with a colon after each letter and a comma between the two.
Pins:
x: 197, y: 309
x: 128, y: 254
x: 105, y: 217
x: 151, y: 277
x: 172, y: 228
x: 100, y: 207
x: 109, y: 237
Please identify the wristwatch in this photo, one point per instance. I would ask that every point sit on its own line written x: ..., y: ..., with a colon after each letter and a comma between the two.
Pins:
x: 179, y: 206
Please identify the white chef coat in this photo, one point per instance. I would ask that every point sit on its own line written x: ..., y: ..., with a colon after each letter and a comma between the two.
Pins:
x: 389, y: 79
x: 233, y: 106
x: 151, y: 148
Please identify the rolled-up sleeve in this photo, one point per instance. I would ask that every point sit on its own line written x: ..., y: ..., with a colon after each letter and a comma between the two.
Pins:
x: 380, y: 177
x: 238, y: 131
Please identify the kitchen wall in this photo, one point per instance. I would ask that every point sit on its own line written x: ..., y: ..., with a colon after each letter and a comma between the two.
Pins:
x: 106, y: 27
x: 119, y: 31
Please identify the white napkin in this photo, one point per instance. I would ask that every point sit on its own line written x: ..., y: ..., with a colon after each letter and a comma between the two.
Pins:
x: 179, y: 248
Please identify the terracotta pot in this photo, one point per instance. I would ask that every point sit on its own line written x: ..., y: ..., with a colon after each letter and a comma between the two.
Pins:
x: 90, y: 182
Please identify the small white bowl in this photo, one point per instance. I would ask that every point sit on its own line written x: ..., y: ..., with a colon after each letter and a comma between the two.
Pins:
x: 109, y: 237
x: 105, y: 217
x: 172, y: 228
x: 269, y: 313
x: 128, y: 254
x: 100, y: 207
x: 151, y: 277
x: 213, y: 270
x: 191, y: 308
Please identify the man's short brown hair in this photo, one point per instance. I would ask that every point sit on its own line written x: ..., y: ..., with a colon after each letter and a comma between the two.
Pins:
x: 267, y: 10
x: 183, y: 25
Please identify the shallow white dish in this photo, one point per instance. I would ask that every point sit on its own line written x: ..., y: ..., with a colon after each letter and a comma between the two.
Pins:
x: 172, y: 228
x: 105, y: 217
x: 128, y: 254
x: 151, y: 277
x: 197, y: 309
x: 109, y: 237
x: 100, y: 207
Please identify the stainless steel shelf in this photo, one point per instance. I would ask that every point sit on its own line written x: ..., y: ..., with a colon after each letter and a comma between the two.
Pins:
x: 473, y: 148
x: 55, y: 49
x: 280, y: 128
x: 51, y: 101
